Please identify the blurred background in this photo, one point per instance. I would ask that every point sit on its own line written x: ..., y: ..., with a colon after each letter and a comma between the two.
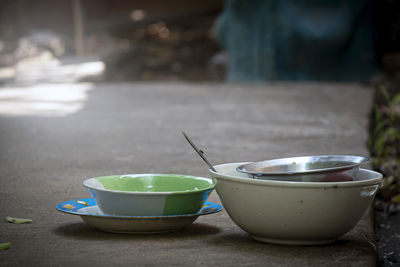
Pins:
x: 53, y: 52
x: 210, y: 40
x: 109, y: 40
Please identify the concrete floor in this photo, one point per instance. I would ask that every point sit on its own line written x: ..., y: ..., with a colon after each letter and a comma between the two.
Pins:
x: 48, y: 148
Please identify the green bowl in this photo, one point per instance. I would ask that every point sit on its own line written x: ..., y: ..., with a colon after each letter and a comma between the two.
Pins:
x: 149, y: 194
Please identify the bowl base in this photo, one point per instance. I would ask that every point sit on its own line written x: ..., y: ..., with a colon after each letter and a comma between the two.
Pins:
x: 293, y: 242
x: 138, y: 225
x: 139, y: 232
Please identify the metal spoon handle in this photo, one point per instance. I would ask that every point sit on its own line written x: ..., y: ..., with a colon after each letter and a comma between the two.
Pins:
x: 200, y: 152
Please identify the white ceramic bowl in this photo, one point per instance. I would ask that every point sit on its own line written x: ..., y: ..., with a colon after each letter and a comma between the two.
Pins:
x: 149, y: 194
x: 303, y: 213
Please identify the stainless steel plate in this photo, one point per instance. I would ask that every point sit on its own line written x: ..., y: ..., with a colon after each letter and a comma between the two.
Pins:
x: 303, y: 165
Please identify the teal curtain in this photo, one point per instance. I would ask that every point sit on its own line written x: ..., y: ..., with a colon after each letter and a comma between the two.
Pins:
x: 297, y: 40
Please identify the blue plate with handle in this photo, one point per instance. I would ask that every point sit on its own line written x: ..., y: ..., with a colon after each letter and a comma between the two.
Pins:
x: 88, y: 210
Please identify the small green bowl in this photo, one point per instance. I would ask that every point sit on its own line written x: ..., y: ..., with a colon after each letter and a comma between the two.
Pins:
x: 149, y: 194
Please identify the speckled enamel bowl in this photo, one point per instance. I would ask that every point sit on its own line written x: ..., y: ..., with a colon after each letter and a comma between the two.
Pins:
x: 149, y: 194
x: 288, y: 212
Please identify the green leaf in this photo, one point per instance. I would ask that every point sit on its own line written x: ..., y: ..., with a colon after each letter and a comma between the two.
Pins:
x: 396, y: 99
x: 392, y: 133
x: 387, y: 182
x: 18, y: 220
x: 385, y: 94
x: 5, y: 245
x: 379, y: 127
x: 380, y: 146
x: 396, y: 198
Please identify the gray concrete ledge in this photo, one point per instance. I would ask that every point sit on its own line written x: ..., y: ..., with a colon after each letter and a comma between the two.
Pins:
x: 135, y: 128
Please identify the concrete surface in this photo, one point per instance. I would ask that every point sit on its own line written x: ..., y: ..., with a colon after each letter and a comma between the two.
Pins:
x: 135, y: 128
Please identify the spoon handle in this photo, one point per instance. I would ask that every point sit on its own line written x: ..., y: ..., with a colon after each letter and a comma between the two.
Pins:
x: 200, y: 152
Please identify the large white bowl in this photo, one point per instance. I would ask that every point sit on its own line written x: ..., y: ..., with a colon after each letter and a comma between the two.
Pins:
x: 303, y: 213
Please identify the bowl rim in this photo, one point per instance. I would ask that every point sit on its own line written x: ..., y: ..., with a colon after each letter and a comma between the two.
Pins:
x: 362, y: 160
x: 211, y: 187
x: 277, y: 183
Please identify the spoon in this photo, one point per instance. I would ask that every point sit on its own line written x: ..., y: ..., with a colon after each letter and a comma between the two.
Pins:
x: 199, y: 151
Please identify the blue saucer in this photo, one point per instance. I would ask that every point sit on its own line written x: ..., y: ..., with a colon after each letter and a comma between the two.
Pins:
x: 91, y: 214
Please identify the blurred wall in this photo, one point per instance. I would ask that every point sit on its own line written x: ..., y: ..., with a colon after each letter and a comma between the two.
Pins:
x: 21, y: 17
